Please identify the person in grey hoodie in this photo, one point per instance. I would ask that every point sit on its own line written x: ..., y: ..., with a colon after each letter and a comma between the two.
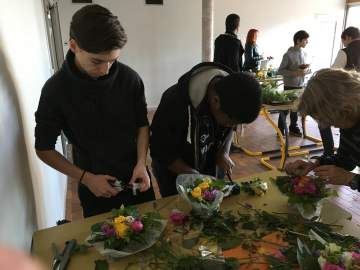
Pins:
x: 294, y: 68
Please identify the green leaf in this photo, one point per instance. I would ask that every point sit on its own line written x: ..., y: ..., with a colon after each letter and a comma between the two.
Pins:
x: 101, y: 265
x: 97, y: 227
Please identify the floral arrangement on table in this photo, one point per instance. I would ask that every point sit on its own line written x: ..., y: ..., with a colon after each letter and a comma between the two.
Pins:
x: 126, y: 232
x: 272, y: 96
x: 333, y: 257
x: 204, y: 193
x: 254, y: 187
x: 327, y: 255
x: 255, y: 239
x: 306, y: 193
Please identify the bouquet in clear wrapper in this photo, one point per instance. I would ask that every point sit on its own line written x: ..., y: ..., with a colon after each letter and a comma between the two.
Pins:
x: 126, y: 232
x: 306, y: 194
x: 204, y: 193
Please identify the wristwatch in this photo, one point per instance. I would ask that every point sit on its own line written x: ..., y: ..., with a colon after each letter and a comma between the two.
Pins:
x: 355, y: 182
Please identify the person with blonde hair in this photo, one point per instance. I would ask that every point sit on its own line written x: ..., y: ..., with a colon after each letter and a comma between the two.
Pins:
x: 332, y: 97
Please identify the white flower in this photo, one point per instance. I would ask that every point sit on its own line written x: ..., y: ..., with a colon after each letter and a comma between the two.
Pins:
x: 321, y: 261
x: 332, y: 248
x: 347, y: 258
x: 130, y: 219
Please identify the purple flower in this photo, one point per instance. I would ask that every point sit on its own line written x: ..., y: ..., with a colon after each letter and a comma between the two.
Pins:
x: 329, y: 266
x: 137, y: 226
x: 108, y: 230
x: 210, y: 195
x: 177, y: 217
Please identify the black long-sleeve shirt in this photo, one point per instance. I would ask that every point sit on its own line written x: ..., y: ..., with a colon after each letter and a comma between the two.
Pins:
x: 99, y: 117
x: 348, y: 153
x: 252, y: 57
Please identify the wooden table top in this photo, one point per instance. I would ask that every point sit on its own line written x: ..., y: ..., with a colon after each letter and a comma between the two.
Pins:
x: 272, y: 201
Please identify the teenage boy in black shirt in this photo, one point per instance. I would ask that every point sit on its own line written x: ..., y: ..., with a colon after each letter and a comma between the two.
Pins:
x: 192, y: 128
x: 100, y: 105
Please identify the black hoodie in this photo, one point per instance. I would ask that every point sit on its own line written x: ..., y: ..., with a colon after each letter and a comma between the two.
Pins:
x: 229, y: 51
x: 99, y: 117
x: 182, y: 127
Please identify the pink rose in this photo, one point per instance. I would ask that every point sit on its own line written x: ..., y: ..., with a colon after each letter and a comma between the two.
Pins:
x: 299, y: 190
x: 280, y: 255
x: 177, y: 217
x: 310, y: 188
x: 356, y: 257
x: 137, y: 226
x: 329, y: 266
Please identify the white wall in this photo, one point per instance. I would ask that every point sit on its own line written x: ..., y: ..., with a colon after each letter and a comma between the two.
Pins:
x: 17, y: 205
x: 22, y: 30
x: 163, y: 41
x: 278, y: 20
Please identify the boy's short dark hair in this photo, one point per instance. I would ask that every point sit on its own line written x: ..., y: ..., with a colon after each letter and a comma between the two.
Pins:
x: 300, y: 35
x: 95, y: 29
x: 232, y: 22
x: 240, y: 97
x: 352, y: 32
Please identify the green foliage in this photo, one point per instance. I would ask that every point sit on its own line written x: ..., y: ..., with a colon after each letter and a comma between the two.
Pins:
x: 270, y: 95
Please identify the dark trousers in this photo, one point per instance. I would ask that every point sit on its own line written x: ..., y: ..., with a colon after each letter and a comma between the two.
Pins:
x: 293, y: 115
x: 328, y: 141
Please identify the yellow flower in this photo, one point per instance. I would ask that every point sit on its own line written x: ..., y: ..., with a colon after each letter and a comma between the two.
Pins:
x: 119, y: 219
x: 121, y: 229
x: 204, y: 185
x: 196, y: 193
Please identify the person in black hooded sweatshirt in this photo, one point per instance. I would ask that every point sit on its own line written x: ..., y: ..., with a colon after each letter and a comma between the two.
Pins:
x: 228, y: 48
x: 192, y: 129
x: 100, y: 106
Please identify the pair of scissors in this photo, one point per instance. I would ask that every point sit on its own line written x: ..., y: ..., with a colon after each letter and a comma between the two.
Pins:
x: 61, y: 260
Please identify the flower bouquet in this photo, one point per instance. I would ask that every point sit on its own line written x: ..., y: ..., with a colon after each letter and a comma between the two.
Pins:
x: 255, y: 187
x: 126, y: 232
x: 339, y: 253
x: 305, y: 193
x: 334, y: 257
x: 204, y: 193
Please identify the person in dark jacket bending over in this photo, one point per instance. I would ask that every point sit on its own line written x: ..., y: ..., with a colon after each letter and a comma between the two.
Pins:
x: 100, y: 106
x: 228, y: 48
x: 332, y: 97
x: 191, y: 131
x: 349, y: 59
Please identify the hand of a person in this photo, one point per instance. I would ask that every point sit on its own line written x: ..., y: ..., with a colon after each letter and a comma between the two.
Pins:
x: 140, y: 173
x: 99, y: 184
x: 299, y: 167
x: 224, y: 162
x: 333, y: 174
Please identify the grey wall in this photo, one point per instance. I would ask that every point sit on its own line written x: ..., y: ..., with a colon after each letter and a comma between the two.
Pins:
x: 17, y: 207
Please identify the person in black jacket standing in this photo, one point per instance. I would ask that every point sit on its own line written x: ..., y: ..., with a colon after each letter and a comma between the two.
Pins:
x: 228, y: 48
x: 100, y: 106
x: 191, y: 131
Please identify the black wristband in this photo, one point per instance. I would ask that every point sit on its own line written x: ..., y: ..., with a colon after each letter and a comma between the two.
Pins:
x: 82, y: 176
